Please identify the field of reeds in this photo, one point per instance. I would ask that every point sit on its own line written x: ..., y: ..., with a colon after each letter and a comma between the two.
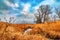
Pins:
x: 44, y: 31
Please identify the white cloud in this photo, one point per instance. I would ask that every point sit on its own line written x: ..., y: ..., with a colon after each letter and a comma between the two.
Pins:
x: 24, y: 20
x: 25, y: 8
x: 13, y: 6
x: 4, y: 12
x: 8, y: 3
x: 27, y: 18
x: 45, y: 2
x: 16, y: 4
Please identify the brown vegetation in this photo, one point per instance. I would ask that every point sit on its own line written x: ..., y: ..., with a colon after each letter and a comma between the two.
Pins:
x: 45, y: 31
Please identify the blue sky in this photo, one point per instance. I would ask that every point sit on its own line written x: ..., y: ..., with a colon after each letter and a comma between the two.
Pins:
x: 21, y: 8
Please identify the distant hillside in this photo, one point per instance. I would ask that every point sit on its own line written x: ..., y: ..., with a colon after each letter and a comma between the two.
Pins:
x: 47, y: 30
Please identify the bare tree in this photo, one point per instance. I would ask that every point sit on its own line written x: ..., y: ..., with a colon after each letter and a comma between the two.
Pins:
x: 5, y: 19
x: 11, y: 20
x: 57, y: 12
x: 43, y: 12
x: 0, y: 19
x: 38, y: 19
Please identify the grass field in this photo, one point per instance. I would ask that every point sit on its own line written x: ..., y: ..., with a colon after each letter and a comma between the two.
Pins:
x: 44, y: 31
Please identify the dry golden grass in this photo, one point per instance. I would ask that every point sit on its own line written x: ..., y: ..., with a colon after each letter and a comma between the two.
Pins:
x: 42, y: 31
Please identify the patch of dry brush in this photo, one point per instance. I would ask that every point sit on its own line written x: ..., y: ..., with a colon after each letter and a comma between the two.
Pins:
x: 45, y: 31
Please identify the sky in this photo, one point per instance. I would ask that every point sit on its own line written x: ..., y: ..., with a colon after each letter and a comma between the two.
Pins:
x: 22, y: 10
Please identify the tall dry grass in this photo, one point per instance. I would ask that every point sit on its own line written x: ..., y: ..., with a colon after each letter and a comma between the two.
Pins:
x: 45, y: 31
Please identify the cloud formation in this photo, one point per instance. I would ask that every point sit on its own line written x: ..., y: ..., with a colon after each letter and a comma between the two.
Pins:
x: 23, y: 9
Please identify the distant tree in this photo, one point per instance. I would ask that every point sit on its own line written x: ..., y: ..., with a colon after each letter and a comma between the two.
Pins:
x: 11, y: 20
x: 0, y: 19
x: 54, y: 17
x: 38, y: 19
x: 5, y: 19
x: 57, y: 12
x: 43, y: 12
